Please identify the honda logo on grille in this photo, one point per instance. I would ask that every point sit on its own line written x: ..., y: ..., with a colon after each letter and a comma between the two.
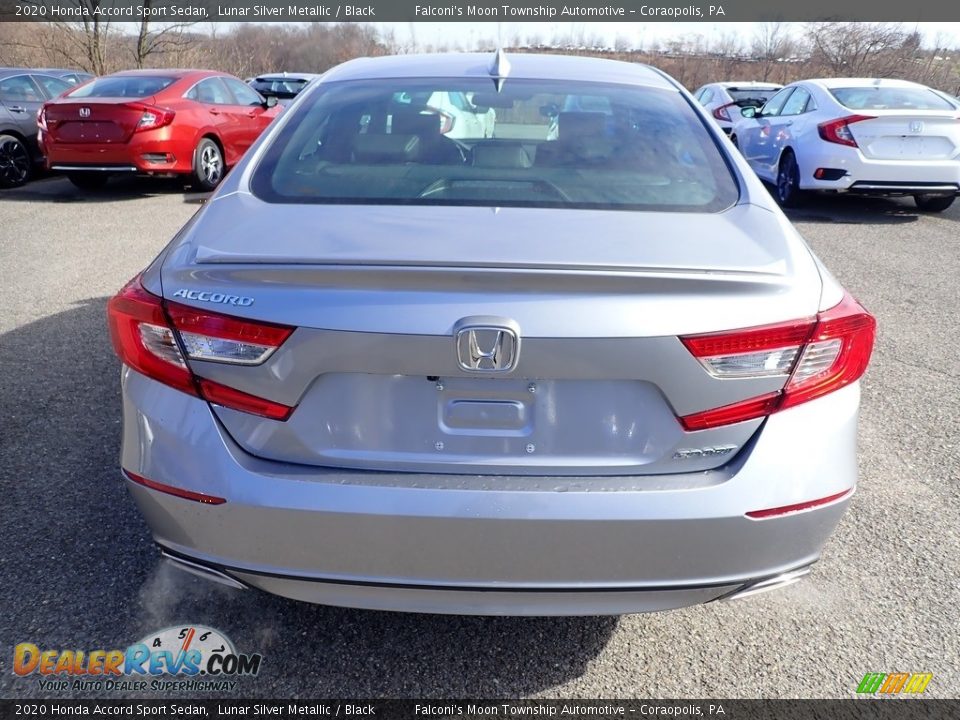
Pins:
x: 84, y: 112
x: 487, y: 345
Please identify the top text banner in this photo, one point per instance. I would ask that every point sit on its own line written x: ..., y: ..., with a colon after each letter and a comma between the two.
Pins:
x: 414, y: 10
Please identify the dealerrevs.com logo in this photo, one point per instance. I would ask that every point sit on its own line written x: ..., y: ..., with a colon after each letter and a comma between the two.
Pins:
x: 188, y: 658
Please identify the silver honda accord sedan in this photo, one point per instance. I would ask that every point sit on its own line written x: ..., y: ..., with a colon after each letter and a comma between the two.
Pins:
x: 583, y: 366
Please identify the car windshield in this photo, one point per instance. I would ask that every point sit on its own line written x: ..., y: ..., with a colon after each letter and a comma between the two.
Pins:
x: 890, y: 98
x: 133, y: 86
x: 532, y: 144
x: 751, y: 96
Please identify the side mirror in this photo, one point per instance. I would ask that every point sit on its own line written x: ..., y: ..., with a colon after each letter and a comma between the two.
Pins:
x: 270, y: 102
x: 750, y: 112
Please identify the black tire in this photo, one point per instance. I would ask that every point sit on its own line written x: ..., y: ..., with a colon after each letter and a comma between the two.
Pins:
x: 788, y: 191
x: 933, y: 203
x: 15, y: 162
x: 208, y: 167
x: 93, y: 180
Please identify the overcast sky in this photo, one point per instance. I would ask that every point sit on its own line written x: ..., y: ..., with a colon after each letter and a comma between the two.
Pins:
x: 470, y: 34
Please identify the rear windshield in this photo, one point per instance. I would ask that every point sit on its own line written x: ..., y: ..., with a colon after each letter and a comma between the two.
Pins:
x: 120, y: 86
x: 460, y: 142
x: 890, y: 98
x: 751, y: 96
x: 278, y: 87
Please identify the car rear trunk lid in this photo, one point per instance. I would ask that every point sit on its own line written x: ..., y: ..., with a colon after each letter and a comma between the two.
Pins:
x: 94, y: 120
x: 378, y: 295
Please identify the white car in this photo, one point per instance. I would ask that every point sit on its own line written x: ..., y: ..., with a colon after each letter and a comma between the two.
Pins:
x: 860, y: 135
x: 724, y: 99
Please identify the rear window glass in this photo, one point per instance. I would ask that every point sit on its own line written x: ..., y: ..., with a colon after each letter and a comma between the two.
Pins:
x: 751, y: 96
x: 121, y: 86
x: 278, y: 87
x: 890, y: 98
x: 460, y: 142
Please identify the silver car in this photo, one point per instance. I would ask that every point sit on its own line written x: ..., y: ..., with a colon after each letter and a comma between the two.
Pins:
x: 595, y: 373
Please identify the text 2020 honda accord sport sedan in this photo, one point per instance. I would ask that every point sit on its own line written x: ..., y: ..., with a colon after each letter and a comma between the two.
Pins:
x: 584, y: 366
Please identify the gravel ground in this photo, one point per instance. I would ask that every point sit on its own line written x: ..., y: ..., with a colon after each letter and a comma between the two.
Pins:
x: 78, y: 569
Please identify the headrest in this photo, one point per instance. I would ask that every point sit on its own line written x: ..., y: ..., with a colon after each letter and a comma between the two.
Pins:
x: 573, y: 125
x: 498, y: 155
x: 412, y: 122
x: 386, y: 148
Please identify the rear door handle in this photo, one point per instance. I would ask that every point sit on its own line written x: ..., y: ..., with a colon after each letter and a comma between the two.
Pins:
x: 214, y: 111
x: 17, y: 109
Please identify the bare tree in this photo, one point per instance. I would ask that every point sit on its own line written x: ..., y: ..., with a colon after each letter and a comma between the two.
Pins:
x: 771, y: 43
x: 862, y: 49
x: 159, y: 40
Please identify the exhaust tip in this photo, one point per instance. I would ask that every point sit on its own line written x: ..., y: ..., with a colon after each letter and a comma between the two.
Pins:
x: 202, y: 571
x: 774, y: 583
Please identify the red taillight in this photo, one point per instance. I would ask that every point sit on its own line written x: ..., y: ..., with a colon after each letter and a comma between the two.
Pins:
x: 787, y: 509
x: 142, y: 337
x: 838, y: 131
x: 151, y: 117
x: 42, y: 118
x: 175, y: 491
x: 820, y: 356
x: 446, y: 119
x: 722, y: 113
x: 152, y: 339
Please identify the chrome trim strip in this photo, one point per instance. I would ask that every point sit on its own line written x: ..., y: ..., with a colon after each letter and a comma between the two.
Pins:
x: 95, y: 168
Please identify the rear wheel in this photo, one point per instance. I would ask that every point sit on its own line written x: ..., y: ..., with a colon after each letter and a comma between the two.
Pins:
x: 207, y: 165
x: 788, y: 181
x: 89, y: 180
x: 933, y: 203
x: 15, y: 163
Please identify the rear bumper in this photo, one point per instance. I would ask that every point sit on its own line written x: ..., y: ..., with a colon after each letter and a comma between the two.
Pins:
x: 488, y: 545
x: 151, y: 153
x: 865, y: 176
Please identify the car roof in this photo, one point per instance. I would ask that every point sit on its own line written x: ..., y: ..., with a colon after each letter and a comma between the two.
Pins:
x: 10, y: 71
x: 170, y: 72
x: 863, y: 82
x: 286, y: 76
x: 755, y: 84
x: 522, y: 65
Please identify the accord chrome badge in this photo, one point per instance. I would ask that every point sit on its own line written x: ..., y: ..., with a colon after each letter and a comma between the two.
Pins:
x: 716, y: 450
x: 213, y: 297
x: 487, y: 344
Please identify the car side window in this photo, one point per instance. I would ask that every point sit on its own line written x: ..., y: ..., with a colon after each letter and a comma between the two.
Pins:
x: 774, y: 105
x: 706, y: 96
x: 19, y: 88
x: 53, y: 86
x: 211, y: 92
x: 797, y: 104
x: 244, y: 94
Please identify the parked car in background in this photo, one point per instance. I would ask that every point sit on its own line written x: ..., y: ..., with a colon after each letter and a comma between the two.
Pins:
x: 725, y: 99
x: 193, y: 123
x: 283, y: 86
x: 22, y: 93
x: 855, y: 135
x: 594, y: 374
x: 74, y: 77
x: 457, y: 115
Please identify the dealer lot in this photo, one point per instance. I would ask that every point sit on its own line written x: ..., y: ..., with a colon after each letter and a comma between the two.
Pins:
x: 78, y: 569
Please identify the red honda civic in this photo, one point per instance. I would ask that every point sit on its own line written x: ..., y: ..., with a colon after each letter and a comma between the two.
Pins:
x: 194, y: 123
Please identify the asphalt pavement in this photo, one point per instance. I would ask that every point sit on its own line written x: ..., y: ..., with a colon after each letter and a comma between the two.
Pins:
x: 78, y: 569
